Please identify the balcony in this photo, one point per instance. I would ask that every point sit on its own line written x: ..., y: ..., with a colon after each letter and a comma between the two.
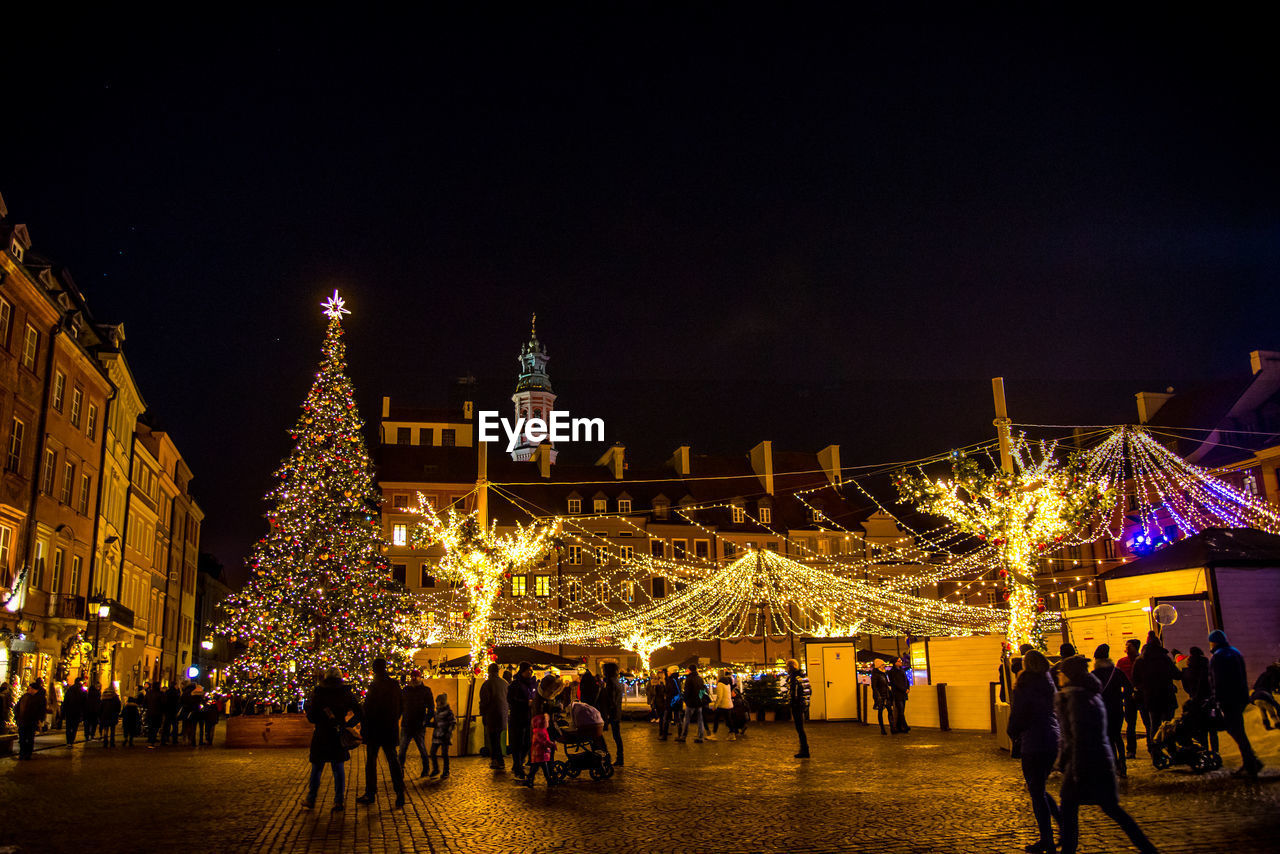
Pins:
x: 67, y: 607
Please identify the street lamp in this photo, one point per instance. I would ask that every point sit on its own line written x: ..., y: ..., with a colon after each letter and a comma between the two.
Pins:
x: 104, y: 611
x: 206, y: 644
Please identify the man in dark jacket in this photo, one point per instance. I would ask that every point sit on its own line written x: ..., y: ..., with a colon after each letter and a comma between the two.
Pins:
x: 900, y: 687
x: 882, y: 694
x: 611, y: 704
x: 520, y: 695
x: 1231, y: 689
x: 798, y: 697
x: 1131, y: 647
x: 380, y: 729
x: 1116, y: 692
x: 155, y: 711
x: 1155, y: 675
x: 92, y: 701
x: 331, y: 707
x: 672, y: 706
x: 494, y: 713
x: 73, y: 709
x: 692, y: 695
x: 30, y: 714
x: 413, y: 722
x: 169, y: 707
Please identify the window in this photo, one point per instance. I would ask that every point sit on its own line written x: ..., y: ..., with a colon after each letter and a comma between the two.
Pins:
x: 661, y: 509
x: 400, y: 502
x: 602, y: 504
x: 77, y: 402
x: 575, y: 505
x: 448, y: 437
x: 543, y: 627
x: 519, y: 585
x: 6, y: 322
x: 399, y: 535
x: 766, y: 515
x: 30, y: 347
x: 1073, y: 553
x: 575, y: 555
x: 1108, y: 548
x: 1133, y: 502
x: 428, y: 580
x: 626, y: 552
x: 678, y: 548
x: 50, y: 465
x: 398, y: 572
x: 575, y: 591
x: 602, y: 555
x: 455, y: 617
x: 624, y: 505
x: 730, y: 548
x: 542, y: 585
x: 702, y: 548
x: 659, y: 587
x: 6, y: 547
x: 404, y: 435
x: 68, y: 482
x: 602, y: 591
x: 771, y: 546
x: 14, y: 460
x: 629, y: 591
x: 55, y: 583
x: 37, y: 566
x: 657, y: 548
x: 991, y: 597
x: 1081, y: 597
x: 59, y: 389
x: 739, y: 515
x: 15, y: 249
x: 424, y: 436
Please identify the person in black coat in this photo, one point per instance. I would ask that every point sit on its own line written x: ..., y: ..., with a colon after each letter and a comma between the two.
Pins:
x: 331, y: 707
x: 92, y: 700
x: 881, y: 695
x: 520, y: 696
x: 1034, y: 726
x: 413, y: 720
x: 672, y: 706
x: 798, y: 699
x: 1085, y: 757
x: 383, y: 705
x: 1230, y: 684
x: 900, y: 687
x: 1116, y: 692
x: 131, y: 717
x: 611, y: 696
x: 29, y: 715
x: 170, y: 705
x: 1195, y: 681
x: 109, y: 708
x: 73, y: 709
x: 1154, y: 676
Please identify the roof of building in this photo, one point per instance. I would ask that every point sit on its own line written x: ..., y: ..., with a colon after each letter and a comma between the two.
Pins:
x: 1240, y: 547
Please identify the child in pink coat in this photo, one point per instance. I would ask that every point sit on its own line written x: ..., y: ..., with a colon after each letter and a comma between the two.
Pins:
x: 541, y: 751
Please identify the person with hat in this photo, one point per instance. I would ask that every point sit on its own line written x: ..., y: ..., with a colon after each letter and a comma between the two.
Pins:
x: 1230, y: 684
x: 1116, y: 693
x: 1084, y: 756
x: 30, y: 714
x: 882, y: 695
x: 383, y: 704
x: 1034, y: 726
x: 416, y: 697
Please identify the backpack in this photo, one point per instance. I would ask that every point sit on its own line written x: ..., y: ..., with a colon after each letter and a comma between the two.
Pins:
x: 805, y: 689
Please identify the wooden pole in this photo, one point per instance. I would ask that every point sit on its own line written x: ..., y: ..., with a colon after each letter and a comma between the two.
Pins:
x: 1002, y: 423
x: 482, y: 518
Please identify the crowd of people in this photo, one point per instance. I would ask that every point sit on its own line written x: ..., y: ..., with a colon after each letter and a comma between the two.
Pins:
x: 1071, y: 717
x: 163, y: 715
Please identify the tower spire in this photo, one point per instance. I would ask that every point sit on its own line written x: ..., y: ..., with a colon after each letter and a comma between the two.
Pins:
x: 534, y: 397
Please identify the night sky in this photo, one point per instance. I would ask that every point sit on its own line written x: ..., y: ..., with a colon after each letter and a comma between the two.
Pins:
x: 733, y: 225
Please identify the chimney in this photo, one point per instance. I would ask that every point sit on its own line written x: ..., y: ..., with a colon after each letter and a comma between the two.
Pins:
x: 829, y: 459
x: 762, y: 464
x: 1261, y: 360
x: 1149, y: 403
x: 680, y: 461
x: 615, y: 460
x: 542, y: 456
x: 386, y: 407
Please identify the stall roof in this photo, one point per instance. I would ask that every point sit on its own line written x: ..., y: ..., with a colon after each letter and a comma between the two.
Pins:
x: 1242, y: 547
x: 515, y: 655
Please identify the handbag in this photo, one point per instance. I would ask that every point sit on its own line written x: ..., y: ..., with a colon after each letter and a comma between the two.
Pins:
x: 1214, y: 719
x: 348, y: 738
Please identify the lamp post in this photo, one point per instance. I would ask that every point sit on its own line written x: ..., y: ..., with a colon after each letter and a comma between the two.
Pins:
x: 103, y: 611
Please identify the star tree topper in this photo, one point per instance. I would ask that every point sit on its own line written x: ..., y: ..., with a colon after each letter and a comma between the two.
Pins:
x: 335, y: 306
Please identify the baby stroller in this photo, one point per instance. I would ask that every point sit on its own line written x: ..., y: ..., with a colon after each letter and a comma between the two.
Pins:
x: 583, y: 745
x: 1184, y: 741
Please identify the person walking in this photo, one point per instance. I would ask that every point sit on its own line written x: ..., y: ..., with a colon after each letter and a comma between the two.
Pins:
x: 672, y: 707
x: 611, y: 705
x: 1088, y: 769
x: 692, y: 692
x: 109, y: 716
x: 900, y: 689
x: 542, y: 750
x: 442, y: 737
x: 722, y: 705
x: 1230, y: 685
x: 32, y: 708
x: 494, y: 713
x: 92, y: 701
x: 1131, y: 708
x: 520, y: 696
x: 1117, y: 692
x: 1033, y: 724
x: 193, y: 714
x: 882, y: 695
x: 380, y: 729
x: 331, y: 708
x: 1195, y: 681
x: 413, y: 719
x: 130, y: 718
x: 798, y: 691
x: 1155, y: 675
x: 738, y: 715
x: 73, y: 709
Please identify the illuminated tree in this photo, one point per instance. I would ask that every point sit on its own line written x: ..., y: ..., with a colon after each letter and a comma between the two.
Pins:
x: 317, y: 591
x: 1022, y: 513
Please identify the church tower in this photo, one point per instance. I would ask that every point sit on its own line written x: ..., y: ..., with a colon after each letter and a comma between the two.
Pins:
x: 534, y: 397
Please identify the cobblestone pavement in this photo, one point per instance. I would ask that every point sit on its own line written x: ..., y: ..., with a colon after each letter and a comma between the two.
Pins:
x: 862, y: 792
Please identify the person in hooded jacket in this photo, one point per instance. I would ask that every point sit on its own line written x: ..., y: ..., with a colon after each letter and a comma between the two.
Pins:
x: 131, y: 717
x: 73, y: 709
x: 1116, y: 692
x: 1155, y: 676
x: 1230, y: 684
x: 109, y: 716
x: 520, y: 696
x: 882, y: 695
x: 383, y: 704
x: 331, y: 707
x: 1034, y: 725
x: 1084, y: 755
x: 1195, y: 681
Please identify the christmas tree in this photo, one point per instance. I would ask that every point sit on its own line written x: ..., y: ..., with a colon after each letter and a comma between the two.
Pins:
x: 317, y: 590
